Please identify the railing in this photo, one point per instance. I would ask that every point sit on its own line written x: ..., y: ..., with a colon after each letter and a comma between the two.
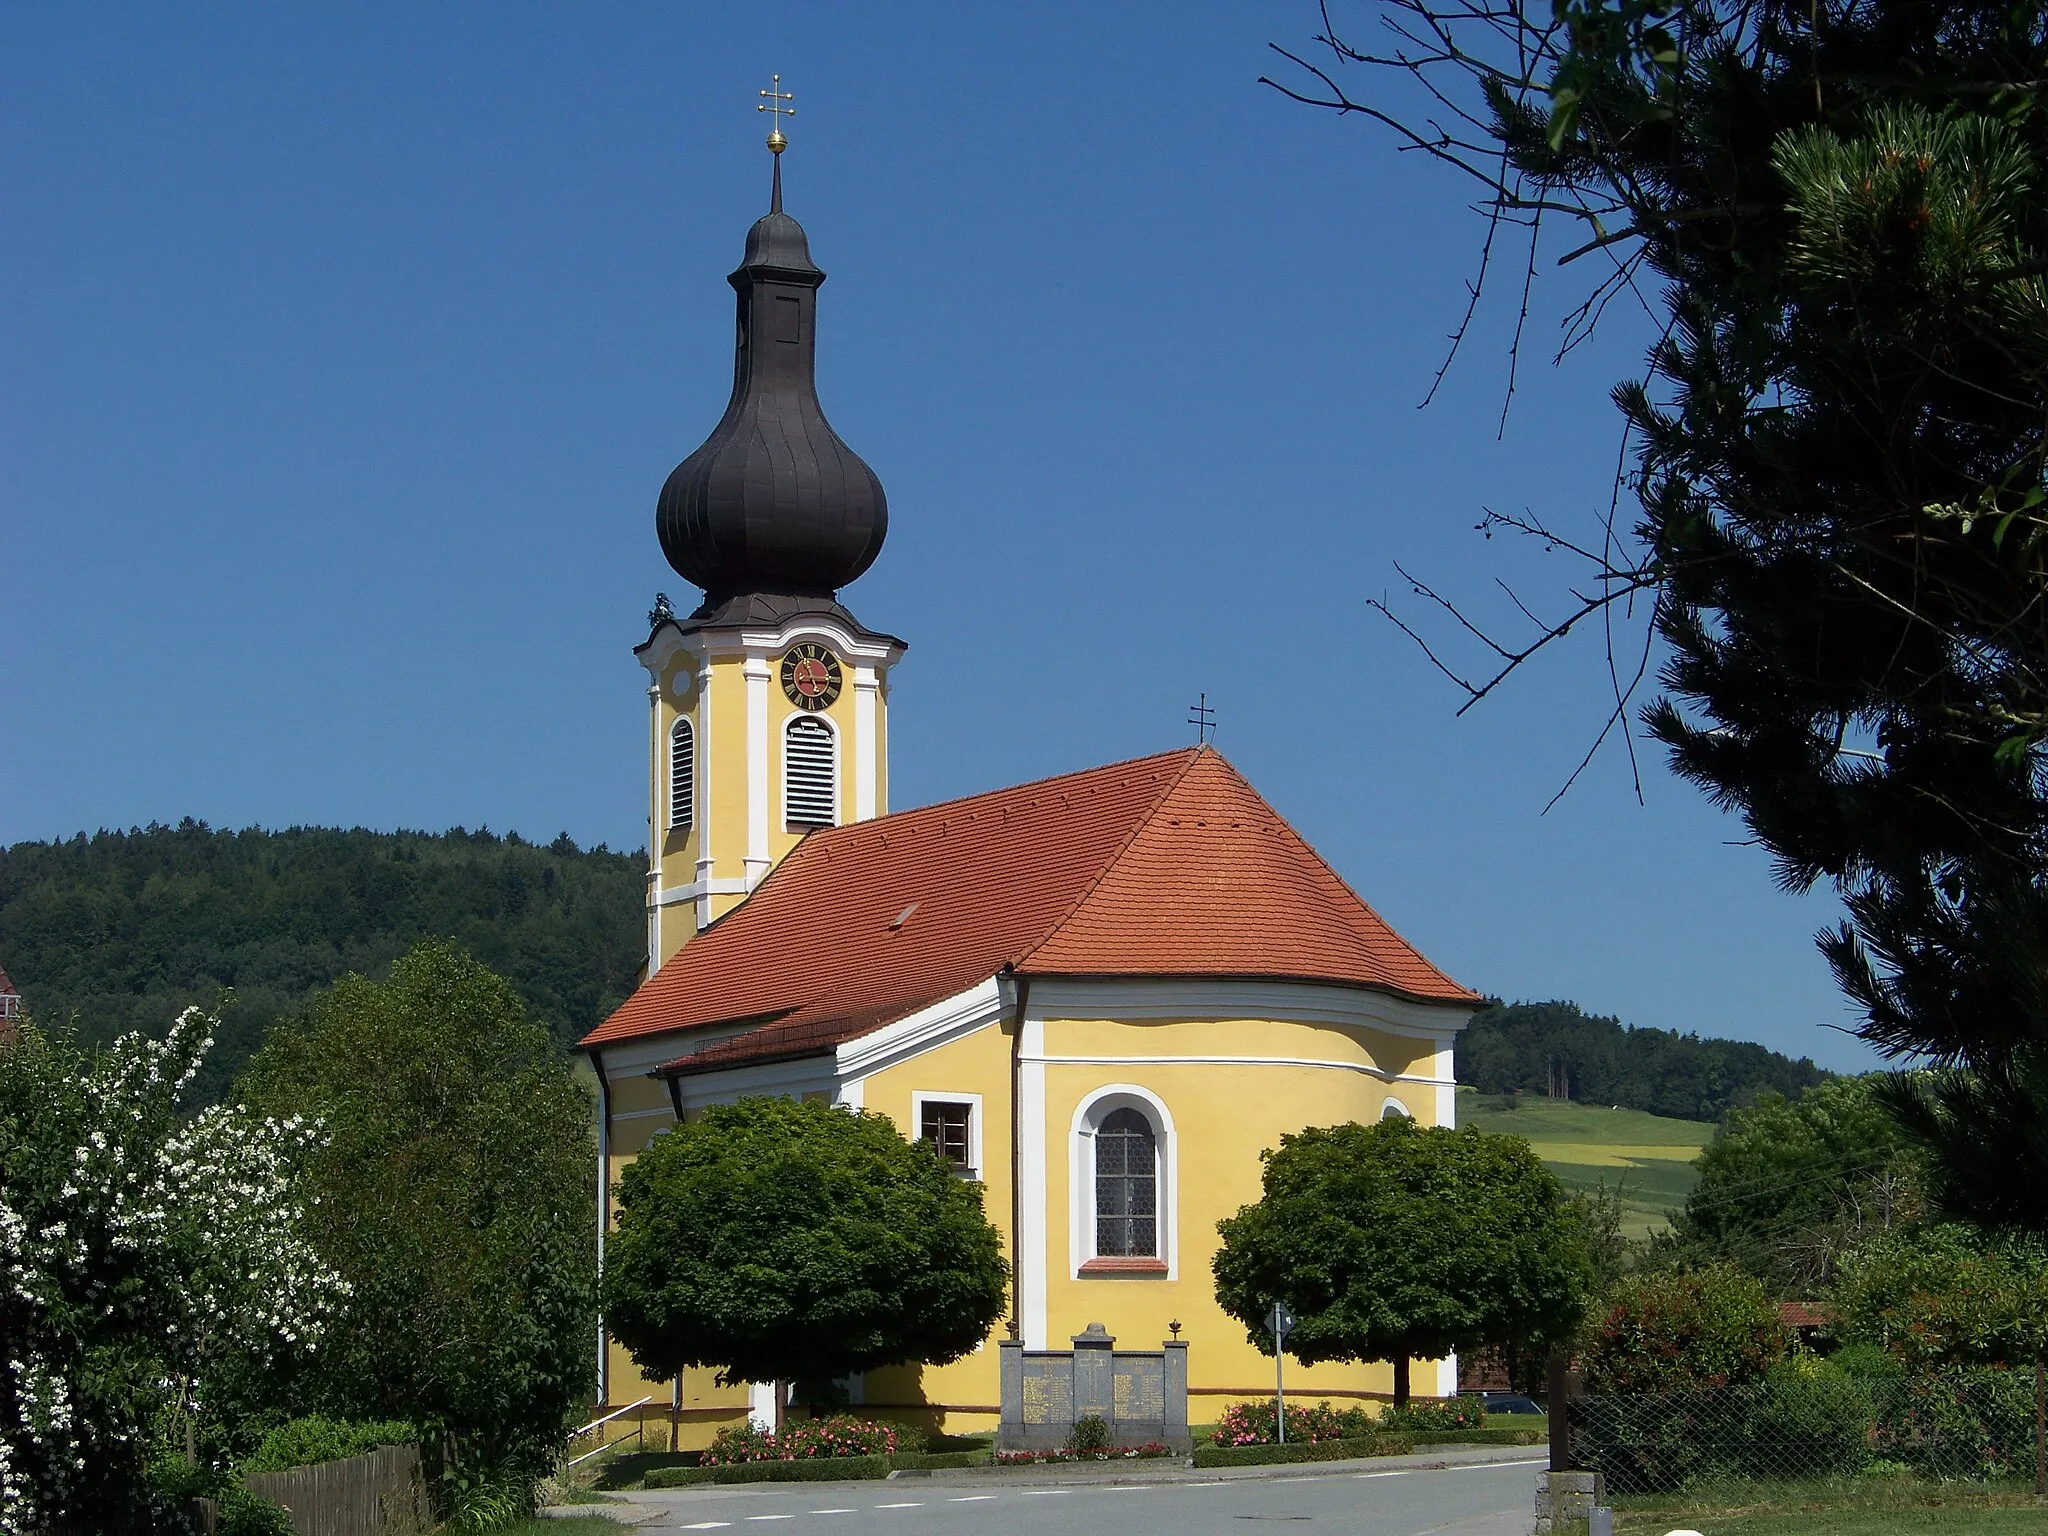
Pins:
x: 603, y: 1445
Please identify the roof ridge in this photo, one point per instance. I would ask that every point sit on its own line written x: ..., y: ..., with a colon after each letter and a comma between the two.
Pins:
x: 826, y: 834
x: 1194, y: 756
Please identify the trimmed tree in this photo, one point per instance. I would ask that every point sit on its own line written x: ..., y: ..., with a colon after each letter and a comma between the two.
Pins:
x: 782, y: 1241
x: 1392, y: 1241
x: 455, y: 1198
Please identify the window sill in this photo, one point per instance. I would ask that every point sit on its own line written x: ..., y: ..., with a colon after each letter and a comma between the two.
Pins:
x: 1130, y: 1268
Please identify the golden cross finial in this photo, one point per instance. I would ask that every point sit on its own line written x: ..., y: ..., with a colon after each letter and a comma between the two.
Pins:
x: 773, y: 105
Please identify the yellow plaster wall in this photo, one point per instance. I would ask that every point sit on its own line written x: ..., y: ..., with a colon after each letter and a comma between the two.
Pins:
x: 1224, y: 1114
x: 961, y: 1398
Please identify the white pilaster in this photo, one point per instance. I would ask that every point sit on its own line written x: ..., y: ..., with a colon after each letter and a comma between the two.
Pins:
x: 755, y: 670
x: 654, y: 787
x: 867, y: 686
x: 1443, y: 1067
x: 704, y: 792
x: 1032, y: 1258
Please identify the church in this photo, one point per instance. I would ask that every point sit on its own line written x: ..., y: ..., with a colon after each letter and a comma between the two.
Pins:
x: 1101, y: 996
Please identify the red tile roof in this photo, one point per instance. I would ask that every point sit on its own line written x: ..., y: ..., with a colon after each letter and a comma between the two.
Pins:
x: 1163, y: 866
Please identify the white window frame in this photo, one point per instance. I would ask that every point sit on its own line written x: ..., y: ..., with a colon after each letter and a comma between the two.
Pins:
x: 918, y: 1100
x: 688, y: 817
x: 838, y: 779
x: 1394, y: 1109
x: 1089, y: 1114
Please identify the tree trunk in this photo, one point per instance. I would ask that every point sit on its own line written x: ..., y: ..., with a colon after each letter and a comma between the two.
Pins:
x: 1400, y: 1381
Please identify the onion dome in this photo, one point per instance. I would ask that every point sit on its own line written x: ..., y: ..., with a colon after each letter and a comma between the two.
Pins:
x: 774, y: 502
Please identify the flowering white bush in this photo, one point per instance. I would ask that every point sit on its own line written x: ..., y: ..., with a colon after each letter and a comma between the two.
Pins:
x: 139, y: 1253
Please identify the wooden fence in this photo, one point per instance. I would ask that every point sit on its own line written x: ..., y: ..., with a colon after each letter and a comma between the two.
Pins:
x: 381, y: 1494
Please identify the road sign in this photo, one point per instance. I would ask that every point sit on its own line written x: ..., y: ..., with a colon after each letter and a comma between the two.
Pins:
x: 1281, y: 1321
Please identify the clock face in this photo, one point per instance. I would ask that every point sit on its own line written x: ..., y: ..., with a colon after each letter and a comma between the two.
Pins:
x: 810, y: 676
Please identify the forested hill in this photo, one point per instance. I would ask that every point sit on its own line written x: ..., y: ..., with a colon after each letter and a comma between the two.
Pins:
x: 123, y: 929
x: 1556, y: 1049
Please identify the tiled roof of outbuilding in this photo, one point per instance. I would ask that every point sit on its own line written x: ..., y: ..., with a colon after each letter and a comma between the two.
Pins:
x: 1163, y: 866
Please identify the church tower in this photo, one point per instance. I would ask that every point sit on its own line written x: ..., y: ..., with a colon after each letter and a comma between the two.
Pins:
x: 768, y: 705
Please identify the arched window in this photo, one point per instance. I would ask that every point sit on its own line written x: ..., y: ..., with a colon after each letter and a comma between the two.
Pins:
x: 1126, y: 1187
x: 1394, y: 1109
x: 682, y: 775
x: 810, y: 773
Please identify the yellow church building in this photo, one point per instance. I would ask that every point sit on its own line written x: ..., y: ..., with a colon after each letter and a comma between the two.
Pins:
x: 1101, y: 996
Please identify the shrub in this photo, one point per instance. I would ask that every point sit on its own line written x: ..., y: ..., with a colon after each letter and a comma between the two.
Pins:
x: 1088, y: 1434
x: 1436, y: 1417
x: 309, y: 1441
x: 805, y: 1440
x: 1711, y: 1327
x: 175, y: 1481
x: 1257, y: 1424
x: 1150, y: 1449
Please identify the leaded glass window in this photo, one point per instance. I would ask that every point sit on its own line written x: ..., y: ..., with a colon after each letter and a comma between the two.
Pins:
x: 1126, y: 1187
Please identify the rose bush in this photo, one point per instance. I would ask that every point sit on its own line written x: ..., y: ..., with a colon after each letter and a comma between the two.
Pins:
x: 804, y: 1439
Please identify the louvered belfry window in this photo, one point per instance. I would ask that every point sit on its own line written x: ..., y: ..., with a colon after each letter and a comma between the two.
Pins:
x: 1126, y: 1187
x: 810, y: 773
x: 682, y: 775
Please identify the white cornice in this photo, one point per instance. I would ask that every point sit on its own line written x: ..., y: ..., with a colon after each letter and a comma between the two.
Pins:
x: 1226, y: 997
x: 947, y: 1019
x: 669, y: 896
x: 1364, y: 1069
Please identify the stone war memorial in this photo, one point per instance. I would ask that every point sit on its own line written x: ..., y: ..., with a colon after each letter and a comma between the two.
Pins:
x: 1141, y: 1395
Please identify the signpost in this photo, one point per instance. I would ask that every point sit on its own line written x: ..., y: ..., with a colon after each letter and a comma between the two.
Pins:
x: 1281, y: 1321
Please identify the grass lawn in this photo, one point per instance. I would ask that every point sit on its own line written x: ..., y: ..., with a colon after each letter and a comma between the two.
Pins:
x: 1587, y: 1145
x: 1870, y: 1509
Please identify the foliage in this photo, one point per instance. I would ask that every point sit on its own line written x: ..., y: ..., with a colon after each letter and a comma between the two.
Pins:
x: 1257, y: 1422
x: 802, y: 1439
x: 1708, y: 1327
x: 1809, y: 1420
x: 1443, y: 1415
x: 147, y: 1258
x: 1839, y: 462
x: 1786, y: 1188
x: 174, y: 1481
x: 1392, y: 1240
x: 787, y: 1241
x: 1526, y: 1048
x: 308, y: 1441
x: 455, y: 1197
x: 123, y: 929
x: 1946, y: 1297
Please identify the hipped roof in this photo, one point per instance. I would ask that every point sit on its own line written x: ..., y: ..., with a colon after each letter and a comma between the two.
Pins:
x: 1162, y: 866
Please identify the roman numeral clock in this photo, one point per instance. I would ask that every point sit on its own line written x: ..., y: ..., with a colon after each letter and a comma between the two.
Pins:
x: 810, y: 676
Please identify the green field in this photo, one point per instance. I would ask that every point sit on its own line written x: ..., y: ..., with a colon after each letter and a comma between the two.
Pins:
x: 1586, y: 1146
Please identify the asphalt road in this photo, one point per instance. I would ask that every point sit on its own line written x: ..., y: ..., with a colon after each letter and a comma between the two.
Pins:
x: 1482, y: 1499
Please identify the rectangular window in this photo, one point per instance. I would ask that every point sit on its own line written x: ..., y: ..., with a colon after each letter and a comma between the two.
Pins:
x: 947, y: 1126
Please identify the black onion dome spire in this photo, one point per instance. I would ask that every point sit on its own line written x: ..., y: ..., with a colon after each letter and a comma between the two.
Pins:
x: 774, y: 502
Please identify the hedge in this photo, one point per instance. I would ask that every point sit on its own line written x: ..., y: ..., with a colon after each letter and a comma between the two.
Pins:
x: 812, y: 1469
x: 936, y: 1460
x: 1390, y: 1444
x: 1489, y: 1434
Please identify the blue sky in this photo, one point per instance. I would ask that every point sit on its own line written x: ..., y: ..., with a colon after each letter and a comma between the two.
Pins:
x: 347, y: 348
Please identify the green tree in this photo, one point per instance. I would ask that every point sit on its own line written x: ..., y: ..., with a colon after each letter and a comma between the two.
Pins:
x: 1786, y: 1188
x: 455, y: 1198
x: 1675, y: 1330
x: 1391, y: 1241
x: 1843, y: 530
x: 783, y: 1241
